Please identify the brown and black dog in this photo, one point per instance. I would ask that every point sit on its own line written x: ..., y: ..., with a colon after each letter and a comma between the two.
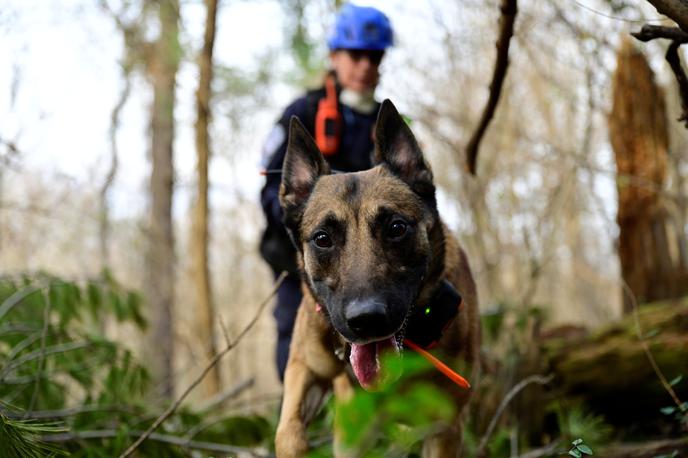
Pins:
x: 371, y: 246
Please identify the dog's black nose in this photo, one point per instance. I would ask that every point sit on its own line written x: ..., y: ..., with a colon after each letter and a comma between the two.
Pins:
x: 367, y: 318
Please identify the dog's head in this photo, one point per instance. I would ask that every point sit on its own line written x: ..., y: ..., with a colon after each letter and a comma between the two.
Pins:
x: 363, y: 238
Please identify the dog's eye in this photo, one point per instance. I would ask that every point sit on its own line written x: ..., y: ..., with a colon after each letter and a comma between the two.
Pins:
x: 397, y: 230
x: 322, y: 240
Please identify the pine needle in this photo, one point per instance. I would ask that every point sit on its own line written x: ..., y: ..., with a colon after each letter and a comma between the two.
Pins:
x: 21, y: 438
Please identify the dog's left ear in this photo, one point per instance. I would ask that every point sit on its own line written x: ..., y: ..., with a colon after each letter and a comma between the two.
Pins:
x: 303, y: 165
x: 396, y: 147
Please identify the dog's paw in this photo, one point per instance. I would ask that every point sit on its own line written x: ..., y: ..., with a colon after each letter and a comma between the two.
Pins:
x: 290, y: 440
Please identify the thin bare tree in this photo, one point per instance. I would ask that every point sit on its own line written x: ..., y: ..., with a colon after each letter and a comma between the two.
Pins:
x: 205, y: 310
x: 160, y: 262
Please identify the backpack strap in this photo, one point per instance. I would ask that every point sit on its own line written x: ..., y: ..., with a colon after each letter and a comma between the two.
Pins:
x: 328, y: 120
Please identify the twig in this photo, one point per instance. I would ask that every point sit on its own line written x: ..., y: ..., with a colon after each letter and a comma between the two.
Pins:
x: 217, y: 401
x: 547, y: 450
x: 651, y: 32
x: 64, y: 413
x: 678, y: 37
x: 675, y: 64
x: 225, y: 396
x: 166, y: 438
x: 509, y: 8
x: 646, y: 347
x: 208, y: 368
x: 539, y: 379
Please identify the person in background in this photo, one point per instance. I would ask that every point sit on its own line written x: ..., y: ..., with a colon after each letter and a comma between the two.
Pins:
x: 340, y: 116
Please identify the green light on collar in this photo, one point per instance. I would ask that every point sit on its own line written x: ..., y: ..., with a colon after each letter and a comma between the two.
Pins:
x: 427, y: 310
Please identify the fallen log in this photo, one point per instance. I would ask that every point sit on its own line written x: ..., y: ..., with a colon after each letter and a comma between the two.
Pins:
x: 666, y: 447
x: 610, y: 368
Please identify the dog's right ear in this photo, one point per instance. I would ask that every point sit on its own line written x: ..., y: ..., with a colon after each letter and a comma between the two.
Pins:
x: 303, y: 165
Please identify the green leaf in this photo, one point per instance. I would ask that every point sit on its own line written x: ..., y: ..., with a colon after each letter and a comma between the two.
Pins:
x: 676, y: 380
x: 577, y: 441
x: 650, y: 334
x: 576, y: 453
x: 668, y: 410
x: 584, y: 449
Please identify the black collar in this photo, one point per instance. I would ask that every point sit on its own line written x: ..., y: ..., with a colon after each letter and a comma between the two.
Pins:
x: 428, y: 322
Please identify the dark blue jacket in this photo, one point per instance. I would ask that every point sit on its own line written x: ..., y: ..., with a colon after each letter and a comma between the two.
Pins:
x: 355, y: 153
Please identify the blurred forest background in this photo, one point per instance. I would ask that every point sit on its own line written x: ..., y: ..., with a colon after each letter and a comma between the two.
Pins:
x: 130, y: 151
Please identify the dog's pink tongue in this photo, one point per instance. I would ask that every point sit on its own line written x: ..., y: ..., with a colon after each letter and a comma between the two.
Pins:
x: 365, y: 361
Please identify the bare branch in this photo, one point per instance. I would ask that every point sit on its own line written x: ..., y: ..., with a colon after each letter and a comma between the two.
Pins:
x: 64, y: 413
x: 651, y: 32
x: 207, y: 369
x: 509, y: 9
x: 539, y: 379
x: 675, y: 64
x: 166, y: 438
x: 646, y: 348
x: 221, y: 398
x: 677, y: 10
x: 104, y: 217
x: 547, y: 450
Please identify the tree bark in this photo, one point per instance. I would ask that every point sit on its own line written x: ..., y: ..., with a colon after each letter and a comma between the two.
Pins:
x: 638, y: 131
x: 162, y: 70
x: 199, y: 234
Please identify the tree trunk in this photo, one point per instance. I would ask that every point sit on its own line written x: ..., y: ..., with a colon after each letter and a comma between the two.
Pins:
x: 199, y: 234
x: 162, y: 70
x: 639, y: 135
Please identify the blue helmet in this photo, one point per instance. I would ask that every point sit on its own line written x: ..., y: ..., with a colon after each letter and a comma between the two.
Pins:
x: 361, y: 27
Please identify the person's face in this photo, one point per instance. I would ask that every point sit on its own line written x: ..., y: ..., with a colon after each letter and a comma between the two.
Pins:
x: 357, y: 70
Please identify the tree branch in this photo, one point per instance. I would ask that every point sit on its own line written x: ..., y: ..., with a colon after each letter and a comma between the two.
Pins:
x: 208, y: 368
x: 675, y: 64
x: 678, y: 37
x: 650, y: 32
x: 509, y: 8
x: 166, y: 438
x: 65, y: 413
x: 646, y: 348
x: 539, y: 379
x: 677, y: 10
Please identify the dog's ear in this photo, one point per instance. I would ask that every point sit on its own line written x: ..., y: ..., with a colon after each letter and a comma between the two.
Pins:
x: 303, y: 164
x: 397, y: 148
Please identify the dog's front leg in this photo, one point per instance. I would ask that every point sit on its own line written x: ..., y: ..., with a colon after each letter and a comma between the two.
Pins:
x: 290, y: 439
x: 311, y: 362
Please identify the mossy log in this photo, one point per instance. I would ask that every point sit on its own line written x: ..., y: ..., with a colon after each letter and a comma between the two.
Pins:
x: 651, y: 449
x: 610, y: 368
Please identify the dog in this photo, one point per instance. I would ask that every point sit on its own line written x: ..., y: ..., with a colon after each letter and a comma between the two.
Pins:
x: 371, y: 246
